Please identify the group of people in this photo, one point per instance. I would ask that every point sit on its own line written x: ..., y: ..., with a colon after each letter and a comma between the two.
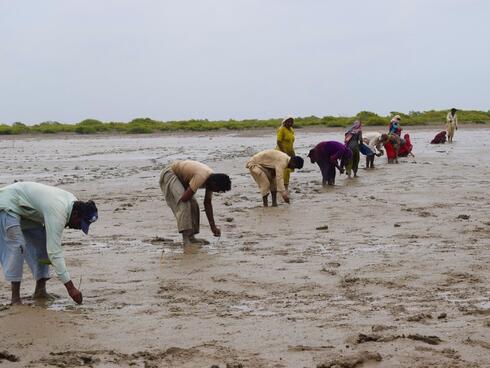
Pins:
x: 451, y: 127
x: 33, y: 215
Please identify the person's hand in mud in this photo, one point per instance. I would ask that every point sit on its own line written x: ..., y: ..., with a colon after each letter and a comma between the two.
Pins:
x: 74, y: 293
x: 285, y: 196
x: 340, y: 168
x: 216, y: 230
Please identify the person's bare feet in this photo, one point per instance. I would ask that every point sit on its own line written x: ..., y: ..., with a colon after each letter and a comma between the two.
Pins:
x: 16, y: 301
x: 195, y: 240
x: 42, y: 295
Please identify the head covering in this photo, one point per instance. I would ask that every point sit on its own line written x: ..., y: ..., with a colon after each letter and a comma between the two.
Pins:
x: 88, y: 215
x: 286, y: 119
x: 397, y: 117
x: 355, y: 128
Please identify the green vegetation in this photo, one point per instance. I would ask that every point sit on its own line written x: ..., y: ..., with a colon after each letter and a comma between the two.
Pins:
x: 146, y: 125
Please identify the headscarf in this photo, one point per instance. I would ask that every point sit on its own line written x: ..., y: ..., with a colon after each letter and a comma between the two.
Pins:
x: 355, y: 128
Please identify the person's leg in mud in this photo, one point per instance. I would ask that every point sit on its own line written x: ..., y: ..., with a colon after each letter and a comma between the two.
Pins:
x: 348, y: 168
x: 271, y: 175
x: 262, y: 180
x: 12, y: 246
x: 195, y: 218
x: 355, y: 160
x: 370, y: 161
x: 287, y: 177
x: 450, y: 133
x: 173, y: 189
x: 274, y: 199
x: 396, y: 146
x: 37, y: 258
x: 331, y: 172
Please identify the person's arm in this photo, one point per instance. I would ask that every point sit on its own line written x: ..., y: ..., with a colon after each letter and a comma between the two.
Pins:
x: 208, y: 208
x: 187, y: 195
x: 339, y: 167
x: 54, y: 229
x: 378, y: 145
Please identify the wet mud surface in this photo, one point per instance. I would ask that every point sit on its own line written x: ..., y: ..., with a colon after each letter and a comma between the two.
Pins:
x: 390, y: 269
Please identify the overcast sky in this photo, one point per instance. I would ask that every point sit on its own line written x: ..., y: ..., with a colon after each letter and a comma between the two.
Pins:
x: 115, y: 60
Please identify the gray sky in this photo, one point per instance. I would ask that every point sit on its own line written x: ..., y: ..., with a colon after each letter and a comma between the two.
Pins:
x: 115, y: 60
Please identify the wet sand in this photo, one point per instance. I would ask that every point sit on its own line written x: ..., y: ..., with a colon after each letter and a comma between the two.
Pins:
x: 390, y: 269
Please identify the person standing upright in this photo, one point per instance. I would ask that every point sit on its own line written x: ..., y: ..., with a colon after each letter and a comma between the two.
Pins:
x: 285, y: 143
x: 353, y: 140
x: 451, y: 124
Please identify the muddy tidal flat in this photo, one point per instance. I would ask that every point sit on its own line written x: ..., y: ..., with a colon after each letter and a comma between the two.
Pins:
x: 389, y: 269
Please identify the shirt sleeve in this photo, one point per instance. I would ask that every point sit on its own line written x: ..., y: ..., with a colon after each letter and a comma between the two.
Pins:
x: 54, y: 230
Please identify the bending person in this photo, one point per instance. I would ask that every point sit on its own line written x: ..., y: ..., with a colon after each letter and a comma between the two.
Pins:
x: 179, y: 182
x: 327, y: 155
x: 32, y: 219
x: 375, y: 142
x: 285, y: 143
x: 267, y: 169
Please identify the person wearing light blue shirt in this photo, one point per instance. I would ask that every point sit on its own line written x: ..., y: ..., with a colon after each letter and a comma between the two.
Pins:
x: 32, y: 219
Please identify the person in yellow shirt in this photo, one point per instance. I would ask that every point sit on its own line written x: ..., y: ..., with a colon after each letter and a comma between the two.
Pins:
x: 285, y: 143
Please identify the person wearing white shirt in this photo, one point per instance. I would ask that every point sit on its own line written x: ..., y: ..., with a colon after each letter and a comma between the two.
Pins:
x: 32, y: 219
x: 375, y: 142
x: 451, y: 124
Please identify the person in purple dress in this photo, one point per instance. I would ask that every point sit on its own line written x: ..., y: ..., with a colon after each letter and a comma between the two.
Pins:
x: 327, y: 155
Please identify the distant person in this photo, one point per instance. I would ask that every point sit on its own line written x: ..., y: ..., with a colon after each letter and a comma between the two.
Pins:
x: 329, y: 155
x: 353, y: 140
x: 392, y: 145
x: 267, y: 169
x: 375, y: 142
x: 451, y: 124
x: 440, y: 138
x: 179, y: 182
x: 285, y: 143
x: 394, y: 127
x: 406, y: 147
x: 32, y: 219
